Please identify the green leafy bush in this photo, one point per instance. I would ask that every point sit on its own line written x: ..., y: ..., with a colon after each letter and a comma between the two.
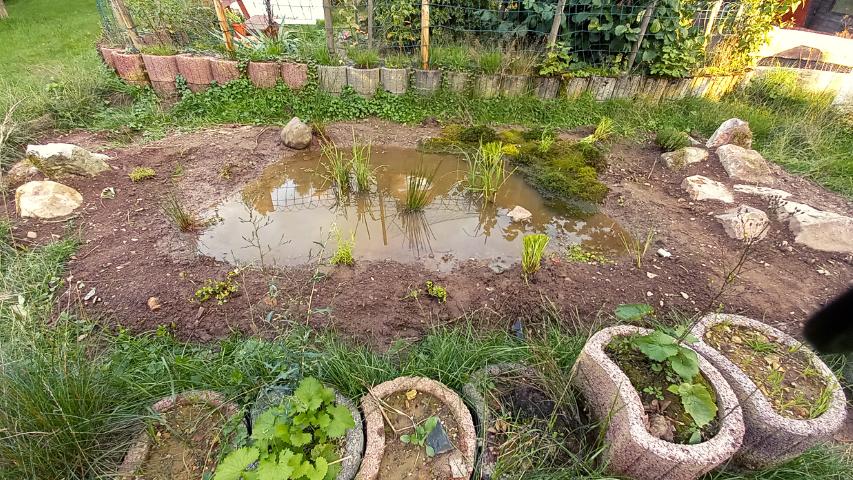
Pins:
x: 139, y: 174
x: 670, y: 139
x: 299, y: 439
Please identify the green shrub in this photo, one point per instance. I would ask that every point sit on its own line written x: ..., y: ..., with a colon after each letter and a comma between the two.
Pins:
x: 670, y: 139
x: 139, y: 174
x: 478, y: 134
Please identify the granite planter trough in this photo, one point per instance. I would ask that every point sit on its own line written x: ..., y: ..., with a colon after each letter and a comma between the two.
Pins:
x: 332, y: 79
x: 224, y: 71
x: 547, y: 88
x: 196, y: 71
x: 364, y: 81
x: 386, y: 456
x: 631, y: 450
x: 488, y: 86
x: 456, y: 81
x: 264, y: 74
x: 771, y: 438
x: 144, y: 446
x: 394, y: 80
x: 162, y: 71
x: 514, y: 85
x: 427, y: 81
x: 130, y: 68
x: 294, y: 75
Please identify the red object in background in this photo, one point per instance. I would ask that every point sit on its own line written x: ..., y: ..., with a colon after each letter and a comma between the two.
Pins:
x: 795, y: 18
x: 227, y: 3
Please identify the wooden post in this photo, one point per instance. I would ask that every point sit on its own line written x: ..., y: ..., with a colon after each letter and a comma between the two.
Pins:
x: 712, y: 17
x: 330, y: 31
x: 425, y: 34
x: 370, y: 23
x: 223, y: 25
x: 644, y: 25
x: 126, y: 21
x: 3, y: 12
x: 555, y: 25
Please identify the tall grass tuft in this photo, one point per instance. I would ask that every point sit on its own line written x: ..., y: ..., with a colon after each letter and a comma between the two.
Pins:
x: 486, y: 171
x: 363, y: 175
x: 174, y: 210
x: 343, y: 252
x: 532, y: 251
x: 418, y: 185
x: 337, y: 169
x: 637, y: 246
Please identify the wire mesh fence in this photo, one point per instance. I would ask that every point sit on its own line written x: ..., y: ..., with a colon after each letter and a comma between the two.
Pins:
x: 662, y: 37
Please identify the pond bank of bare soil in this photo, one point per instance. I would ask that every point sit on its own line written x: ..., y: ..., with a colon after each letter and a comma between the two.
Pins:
x: 130, y: 252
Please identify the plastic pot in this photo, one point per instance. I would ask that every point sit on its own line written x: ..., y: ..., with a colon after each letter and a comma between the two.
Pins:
x: 427, y: 81
x: 196, y: 71
x: 224, y: 71
x: 264, y: 74
x: 631, y: 450
x: 488, y: 86
x: 130, y: 68
x: 456, y: 81
x: 295, y: 75
x: 364, y: 81
x: 394, y: 80
x: 514, y: 85
x: 547, y: 88
x: 770, y: 438
x: 332, y: 78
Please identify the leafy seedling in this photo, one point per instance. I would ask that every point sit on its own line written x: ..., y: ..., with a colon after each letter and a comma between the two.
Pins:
x: 419, y: 436
x: 436, y: 291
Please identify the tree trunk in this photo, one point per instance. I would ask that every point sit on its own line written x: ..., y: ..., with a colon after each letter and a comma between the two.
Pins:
x: 3, y: 12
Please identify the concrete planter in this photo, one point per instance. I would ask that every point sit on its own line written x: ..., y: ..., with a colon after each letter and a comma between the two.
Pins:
x: 264, y: 74
x: 514, y: 85
x: 107, y: 55
x: 456, y: 81
x: 332, y: 79
x: 364, y: 81
x: 224, y: 71
x: 138, y: 452
x: 162, y: 71
x: 770, y: 438
x: 459, y: 462
x: 394, y: 80
x: 546, y: 88
x: 196, y: 71
x: 130, y: 68
x: 295, y: 75
x: 488, y: 86
x: 576, y: 86
x: 427, y: 81
x: 632, y: 451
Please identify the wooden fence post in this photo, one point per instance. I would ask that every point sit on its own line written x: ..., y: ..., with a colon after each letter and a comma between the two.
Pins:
x: 712, y: 18
x: 330, y: 31
x: 425, y: 34
x: 370, y: 23
x: 555, y: 25
x: 126, y: 21
x: 644, y: 25
x: 223, y: 25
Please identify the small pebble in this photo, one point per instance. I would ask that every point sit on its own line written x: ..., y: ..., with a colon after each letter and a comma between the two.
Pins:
x: 32, y: 235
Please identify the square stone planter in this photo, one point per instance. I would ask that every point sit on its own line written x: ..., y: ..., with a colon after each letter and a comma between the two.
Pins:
x: 294, y: 75
x: 427, y: 81
x: 162, y: 71
x: 488, y: 86
x: 332, y: 79
x: 770, y: 438
x: 264, y: 74
x: 514, y: 85
x: 547, y: 88
x: 364, y: 81
x: 576, y: 86
x: 196, y: 71
x: 456, y: 81
x: 130, y: 68
x: 631, y: 450
x: 394, y: 80
x: 224, y: 71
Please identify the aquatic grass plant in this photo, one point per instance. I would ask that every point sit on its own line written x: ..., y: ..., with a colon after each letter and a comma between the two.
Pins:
x: 418, y: 184
x: 486, y: 171
x: 603, y: 131
x: 362, y: 174
x: 343, y: 252
x: 637, y: 246
x: 531, y: 253
x: 363, y: 57
x: 174, y: 210
x: 335, y: 168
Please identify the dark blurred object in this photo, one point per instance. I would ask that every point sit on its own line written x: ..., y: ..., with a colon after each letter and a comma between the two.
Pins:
x: 830, y: 330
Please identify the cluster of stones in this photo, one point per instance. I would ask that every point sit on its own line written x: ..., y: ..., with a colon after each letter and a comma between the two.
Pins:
x: 732, y: 142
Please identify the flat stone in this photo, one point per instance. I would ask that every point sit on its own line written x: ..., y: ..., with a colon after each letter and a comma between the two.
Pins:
x: 296, y: 134
x: 663, y: 253
x: 682, y: 157
x: 437, y: 439
x: 745, y: 223
x: 744, y: 164
x: 499, y: 266
x: 59, y: 159
x: 46, y: 199
x: 766, y: 193
x: 20, y: 172
x: 817, y: 229
x: 703, y: 188
x: 519, y: 214
x: 733, y: 131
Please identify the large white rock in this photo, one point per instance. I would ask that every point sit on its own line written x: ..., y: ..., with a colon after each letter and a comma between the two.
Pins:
x: 296, y: 134
x: 732, y: 131
x: 519, y: 214
x: 703, y: 188
x: 765, y: 193
x: 682, y: 157
x: 817, y: 229
x: 745, y: 223
x: 46, y: 199
x: 58, y: 159
x: 744, y: 164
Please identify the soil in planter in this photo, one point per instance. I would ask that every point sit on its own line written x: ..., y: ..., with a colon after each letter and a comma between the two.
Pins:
x: 786, y: 376
x: 667, y: 418
x: 405, y: 460
x: 185, y: 443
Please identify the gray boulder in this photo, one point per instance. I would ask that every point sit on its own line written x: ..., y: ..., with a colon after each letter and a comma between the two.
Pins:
x: 296, y: 134
x: 745, y: 223
x: 59, y: 159
x: 733, y: 131
x: 744, y: 164
x: 765, y: 193
x: 46, y: 199
x: 817, y: 229
x: 682, y: 157
x: 703, y: 188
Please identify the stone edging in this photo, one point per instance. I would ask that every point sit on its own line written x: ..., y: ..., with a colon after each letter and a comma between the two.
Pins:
x: 770, y: 438
x: 632, y: 451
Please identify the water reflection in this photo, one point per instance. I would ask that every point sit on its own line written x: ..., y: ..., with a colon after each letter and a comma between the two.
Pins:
x: 286, y: 214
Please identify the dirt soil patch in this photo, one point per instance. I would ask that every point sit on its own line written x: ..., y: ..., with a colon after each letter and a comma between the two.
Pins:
x: 130, y: 253
x: 787, y: 377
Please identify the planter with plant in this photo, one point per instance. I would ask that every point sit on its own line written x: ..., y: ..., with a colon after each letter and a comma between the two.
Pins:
x: 455, y: 62
x: 669, y: 413
x: 556, y: 61
x: 313, y: 433
x: 516, y: 73
x: 791, y: 400
x: 185, y: 439
x: 395, y: 74
x: 418, y: 428
x: 489, y: 68
x: 162, y: 67
x: 130, y: 68
x: 224, y: 70
x: 426, y: 81
x: 363, y: 75
x: 294, y: 75
x: 331, y: 75
x: 196, y: 71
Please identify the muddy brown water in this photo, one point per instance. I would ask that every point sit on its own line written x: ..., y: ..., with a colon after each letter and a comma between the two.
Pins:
x: 287, y: 214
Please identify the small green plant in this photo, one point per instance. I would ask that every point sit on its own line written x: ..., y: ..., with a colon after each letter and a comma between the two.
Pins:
x: 451, y: 58
x: 343, y: 254
x: 759, y: 345
x: 418, y: 185
x: 221, y: 290
x: 670, y: 139
x: 633, y: 312
x: 363, y: 57
x: 603, y: 131
x: 398, y: 60
x: 226, y: 171
x: 435, y: 290
x: 546, y: 141
x: 656, y: 392
x: 177, y: 214
x: 139, y: 174
x: 486, y: 171
x: 419, y: 436
x: 299, y: 439
x: 490, y: 61
x: 577, y: 253
x: 637, y: 247
x: 557, y: 60
x: 531, y: 254
x: 477, y: 134
x: 159, y: 50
